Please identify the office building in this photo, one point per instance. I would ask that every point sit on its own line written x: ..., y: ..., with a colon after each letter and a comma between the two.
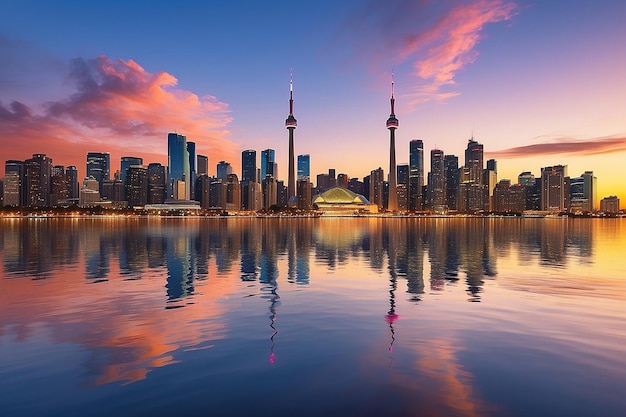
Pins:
x: 99, y: 166
x: 268, y: 164
x: 224, y: 169
x: 376, y: 179
x: 37, y: 173
x: 437, y: 182
x: 125, y: 163
x: 71, y: 176
x: 137, y: 185
x: 416, y: 174
x: 554, y: 196
x: 609, y: 205
x: 248, y: 166
x: 203, y: 165
x: 304, y: 166
x: 191, y: 150
x: 178, y: 165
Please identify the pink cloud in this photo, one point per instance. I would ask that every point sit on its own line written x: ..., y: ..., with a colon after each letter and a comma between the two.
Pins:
x: 595, y: 146
x: 117, y: 107
x: 436, y: 38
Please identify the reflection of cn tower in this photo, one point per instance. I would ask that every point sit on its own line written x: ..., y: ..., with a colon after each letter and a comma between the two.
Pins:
x: 269, y: 273
x: 391, y: 316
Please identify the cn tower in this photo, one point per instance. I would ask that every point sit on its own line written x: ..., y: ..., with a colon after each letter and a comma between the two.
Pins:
x: 291, y: 124
x: 392, y: 125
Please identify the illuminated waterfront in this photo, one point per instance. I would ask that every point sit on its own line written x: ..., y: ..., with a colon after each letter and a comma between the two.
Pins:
x: 276, y: 316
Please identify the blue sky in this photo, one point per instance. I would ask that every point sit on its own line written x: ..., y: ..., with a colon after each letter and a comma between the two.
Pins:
x: 515, y: 73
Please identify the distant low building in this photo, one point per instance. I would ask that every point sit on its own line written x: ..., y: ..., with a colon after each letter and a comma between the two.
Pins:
x: 610, y: 205
x: 339, y: 200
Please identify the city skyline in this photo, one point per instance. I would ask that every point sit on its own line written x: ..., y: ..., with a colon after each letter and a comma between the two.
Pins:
x: 537, y: 85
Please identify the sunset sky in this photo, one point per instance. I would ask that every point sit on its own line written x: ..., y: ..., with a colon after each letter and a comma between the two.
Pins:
x: 538, y: 83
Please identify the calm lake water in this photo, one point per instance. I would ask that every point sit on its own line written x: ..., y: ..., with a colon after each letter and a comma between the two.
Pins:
x: 311, y: 317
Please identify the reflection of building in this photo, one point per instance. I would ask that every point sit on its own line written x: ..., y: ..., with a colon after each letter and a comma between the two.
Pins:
x: 341, y: 200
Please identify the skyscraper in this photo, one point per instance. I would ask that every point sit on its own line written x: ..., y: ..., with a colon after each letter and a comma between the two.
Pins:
x: 178, y: 164
x: 553, y: 181
x: 392, y: 125
x: 474, y: 161
x: 71, y: 176
x: 416, y: 173
x: 137, y: 185
x: 248, y: 166
x: 99, y: 166
x: 451, y: 163
x: 304, y: 166
x: 224, y: 169
x: 156, y: 183
x: 191, y: 149
x: 437, y: 181
x: 125, y: 163
x: 37, y: 173
x: 291, y: 125
x: 203, y: 165
x: 268, y: 164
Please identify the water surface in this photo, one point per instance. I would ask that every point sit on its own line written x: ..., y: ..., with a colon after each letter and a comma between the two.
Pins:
x: 381, y: 316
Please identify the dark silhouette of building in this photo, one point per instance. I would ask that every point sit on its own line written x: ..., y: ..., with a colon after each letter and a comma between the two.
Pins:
x: 291, y: 125
x: 416, y: 174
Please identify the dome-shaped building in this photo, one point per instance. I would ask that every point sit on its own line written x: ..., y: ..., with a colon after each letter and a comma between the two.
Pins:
x: 339, y: 200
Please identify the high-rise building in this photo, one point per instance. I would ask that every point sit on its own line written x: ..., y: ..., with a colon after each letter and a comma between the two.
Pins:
x: 233, y: 193
x: 582, y: 193
x: 392, y: 125
x: 178, y: 165
x: 58, y: 186
x: 71, y: 176
x: 203, y: 165
x: 416, y: 174
x: 437, y: 181
x: 37, y: 173
x: 554, y: 180
x: 203, y: 183
x: 609, y: 205
x: 291, y: 125
x: 137, y: 185
x: 126, y: 162
x: 191, y: 149
x: 224, y: 169
x: 451, y: 163
x: 376, y: 179
x: 157, y: 183
x: 342, y: 180
x: 15, y: 187
x: 304, y: 166
x: 248, y: 166
x: 99, y: 166
x: 304, y: 193
x: 474, y: 161
x: 490, y: 178
x: 268, y: 164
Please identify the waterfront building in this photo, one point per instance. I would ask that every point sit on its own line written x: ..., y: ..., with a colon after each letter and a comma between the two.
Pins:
x: 342, y: 180
x: 490, y: 178
x: 99, y: 166
x: 191, y: 149
x: 71, y: 176
x: 157, y: 183
x: 452, y: 174
x: 248, y: 166
x: 268, y: 164
x: 416, y: 174
x: 16, y: 191
x: 224, y: 169
x: 178, y: 167
x: 125, y: 163
x: 609, y: 205
x: 509, y: 198
x: 137, y: 185
x: 304, y: 193
x: 339, y: 200
x: 554, y: 181
x: 376, y: 179
x: 113, y: 190
x: 583, y: 193
x: 437, y: 182
x: 474, y: 161
x: 37, y: 173
x: 392, y: 125
x: 203, y: 185
x: 203, y: 165
x: 304, y: 166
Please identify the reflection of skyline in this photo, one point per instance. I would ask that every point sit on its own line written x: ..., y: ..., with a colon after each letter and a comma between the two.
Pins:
x: 174, y: 256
